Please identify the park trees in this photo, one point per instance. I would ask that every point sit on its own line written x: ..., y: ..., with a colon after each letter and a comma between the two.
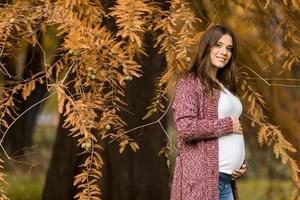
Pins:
x: 103, y: 54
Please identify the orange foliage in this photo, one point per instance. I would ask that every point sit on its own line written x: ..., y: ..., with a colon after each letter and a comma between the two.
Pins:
x: 97, y: 64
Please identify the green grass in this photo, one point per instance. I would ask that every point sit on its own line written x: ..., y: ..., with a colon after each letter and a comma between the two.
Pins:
x: 29, y: 187
x: 264, y: 189
x: 24, y: 186
x: 26, y: 182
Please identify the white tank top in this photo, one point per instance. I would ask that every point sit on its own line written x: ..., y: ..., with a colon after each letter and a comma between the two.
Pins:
x: 231, y: 146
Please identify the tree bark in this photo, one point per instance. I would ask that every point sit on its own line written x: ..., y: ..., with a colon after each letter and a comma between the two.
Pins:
x: 141, y: 175
x: 63, y: 167
x: 20, y: 136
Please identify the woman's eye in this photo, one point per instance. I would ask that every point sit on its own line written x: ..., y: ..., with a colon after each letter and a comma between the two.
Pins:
x: 229, y: 49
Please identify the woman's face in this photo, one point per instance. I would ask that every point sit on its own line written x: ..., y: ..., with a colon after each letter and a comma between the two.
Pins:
x: 221, y: 52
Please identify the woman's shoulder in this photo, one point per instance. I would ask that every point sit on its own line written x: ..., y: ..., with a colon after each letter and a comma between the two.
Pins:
x: 189, y: 81
x: 188, y: 90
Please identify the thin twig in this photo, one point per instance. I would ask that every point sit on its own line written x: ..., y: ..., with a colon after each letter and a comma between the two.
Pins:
x: 265, y: 80
x: 26, y: 163
x: 276, y: 79
x: 148, y: 124
x: 166, y: 133
x: 254, y: 73
x: 8, y: 128
x: 258, y: 122
x: 32, y: 147
x: 44, y: 59
x: 65, y: 77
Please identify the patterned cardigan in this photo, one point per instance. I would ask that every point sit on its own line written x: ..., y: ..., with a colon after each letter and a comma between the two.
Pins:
x: 196, y: 173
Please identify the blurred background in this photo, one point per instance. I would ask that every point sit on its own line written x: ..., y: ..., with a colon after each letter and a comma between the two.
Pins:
x: 268, y: 51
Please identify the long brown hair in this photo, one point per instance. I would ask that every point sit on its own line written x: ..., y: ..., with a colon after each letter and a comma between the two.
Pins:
x: 202, y: 64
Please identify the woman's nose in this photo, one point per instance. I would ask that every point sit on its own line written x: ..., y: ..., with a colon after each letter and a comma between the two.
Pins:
x: 223, y: 51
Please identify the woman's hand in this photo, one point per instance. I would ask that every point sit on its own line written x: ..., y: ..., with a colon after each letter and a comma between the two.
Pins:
x: 237, y: 127
x: 240, y: 172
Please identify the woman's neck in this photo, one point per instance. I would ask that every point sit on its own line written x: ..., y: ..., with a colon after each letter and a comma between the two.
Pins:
x: 213, y: 74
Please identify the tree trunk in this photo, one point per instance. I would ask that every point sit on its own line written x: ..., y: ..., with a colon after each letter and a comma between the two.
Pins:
x: 20, y: 136
x: 63, y: 167
x: 141, y: 175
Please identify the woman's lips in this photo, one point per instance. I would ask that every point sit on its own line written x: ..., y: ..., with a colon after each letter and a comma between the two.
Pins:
x: 221, y: 59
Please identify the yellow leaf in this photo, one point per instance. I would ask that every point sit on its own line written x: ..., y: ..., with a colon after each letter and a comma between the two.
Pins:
x: 134, y: 146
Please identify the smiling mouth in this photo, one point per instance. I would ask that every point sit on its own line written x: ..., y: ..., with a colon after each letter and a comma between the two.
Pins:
x: 222, y: 59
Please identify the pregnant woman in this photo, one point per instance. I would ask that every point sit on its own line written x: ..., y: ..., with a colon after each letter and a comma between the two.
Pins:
x: 206, y: 111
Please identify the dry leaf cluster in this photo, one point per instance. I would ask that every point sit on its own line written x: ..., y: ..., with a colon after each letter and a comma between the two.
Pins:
x: 95, y: 64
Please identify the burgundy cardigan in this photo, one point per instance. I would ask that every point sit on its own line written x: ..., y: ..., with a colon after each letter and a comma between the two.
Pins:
x: 196, y: 173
